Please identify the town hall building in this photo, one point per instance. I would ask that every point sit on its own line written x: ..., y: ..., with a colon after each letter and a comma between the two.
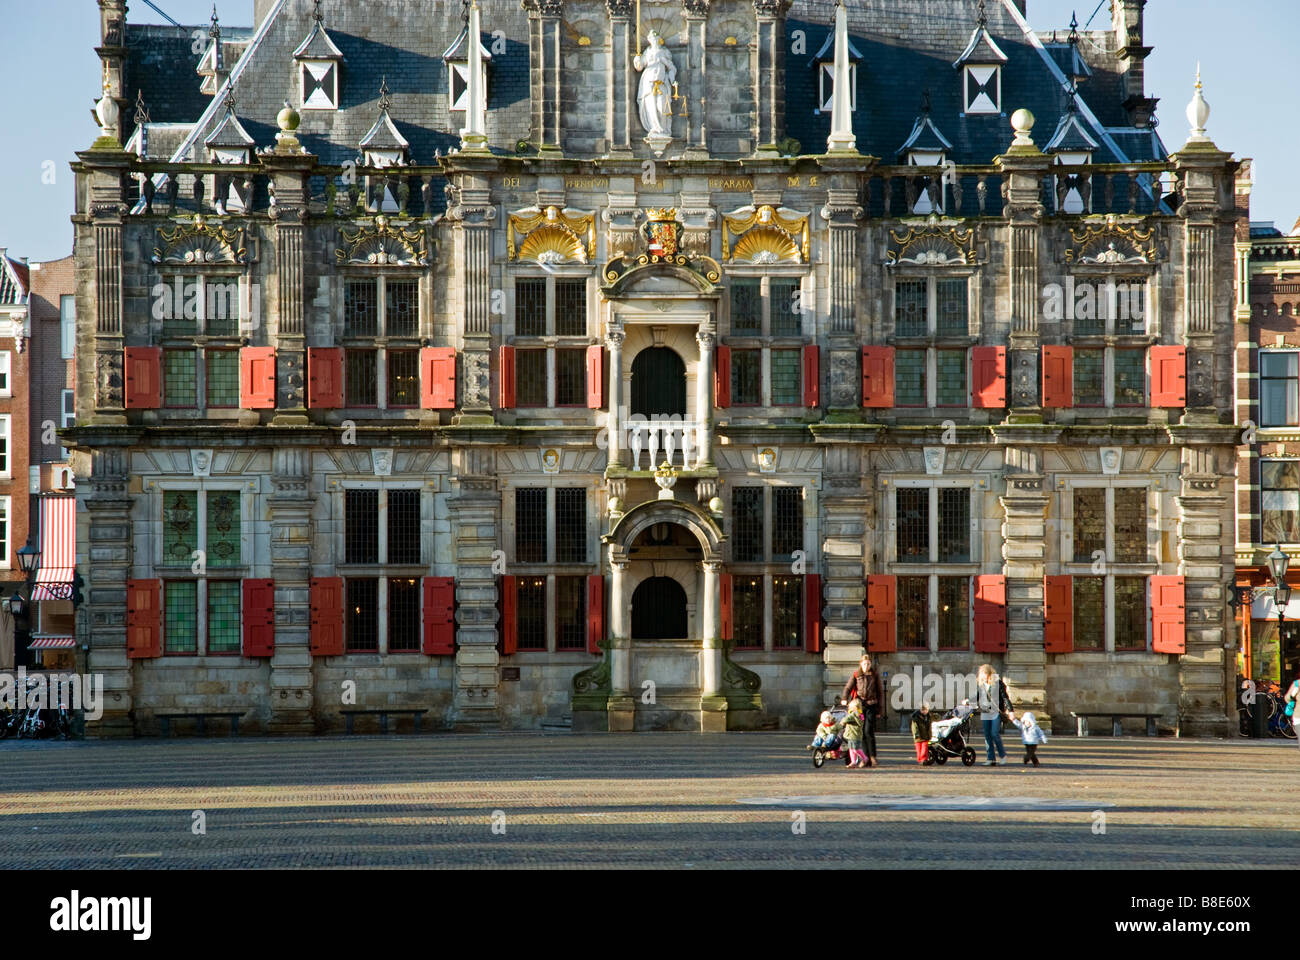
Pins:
x: 637, y: 365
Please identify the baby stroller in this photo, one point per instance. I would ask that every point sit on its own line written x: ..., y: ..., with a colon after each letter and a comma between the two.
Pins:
x: 836, y: 751
x: 948, y: 737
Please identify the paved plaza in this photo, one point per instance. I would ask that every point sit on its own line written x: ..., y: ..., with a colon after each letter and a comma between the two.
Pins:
x: 642, y: 800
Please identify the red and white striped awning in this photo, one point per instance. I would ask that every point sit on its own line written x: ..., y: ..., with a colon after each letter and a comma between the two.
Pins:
x: 58, y: 545
x: 52, y: 643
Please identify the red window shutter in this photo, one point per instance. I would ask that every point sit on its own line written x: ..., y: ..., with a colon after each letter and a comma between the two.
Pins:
x: 259, y: 618
x: 812, y: 613
x: 722, y: 378
x: 143, y: 378
x: 143, y: 619
x: 438, y: 378
x: 988, y: 385
x: 1169, y: 377
x: 1058, y: 377
x: 257, y: 378
x: 595, y: 613
x: 882, y: 632
x: 1168, y: 616
x: 327, y: 616
x: 812, y: 376
x: 1058, y: 614
x: 595, y: 377
x: 726, y: 608
x: 325, y: 378
x: 506, y: 373
x: 878, y: 378
x: 990, y: 614
x: 439, y: 617
x: 509, y: 621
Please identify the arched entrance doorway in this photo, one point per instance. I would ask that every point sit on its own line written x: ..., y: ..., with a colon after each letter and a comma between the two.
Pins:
x: 658, y: 383
x: 659, y: 610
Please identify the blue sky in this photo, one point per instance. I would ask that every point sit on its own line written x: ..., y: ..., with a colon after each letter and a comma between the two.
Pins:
x: 49, y: 73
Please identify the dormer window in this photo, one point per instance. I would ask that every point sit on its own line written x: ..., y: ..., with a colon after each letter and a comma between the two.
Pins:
x: 981, y: 66
x: 926, y: 147
x: 1072, y: 145
x: 384, y: 146
x: 319, y: 62
x: 457, y: 59
x: 825, y: 60
x: 230, y: 143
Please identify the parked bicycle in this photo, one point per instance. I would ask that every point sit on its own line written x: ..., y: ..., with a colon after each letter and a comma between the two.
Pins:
x: 1267, y: 697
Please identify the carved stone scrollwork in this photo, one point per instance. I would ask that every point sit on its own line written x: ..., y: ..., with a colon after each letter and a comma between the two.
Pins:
x: 383, y: 244
x: 765, y: 235
x: 771, y: 8
x: 933, y: 244
x: 109, y: 381
x: 620, y: 8
x: 477, y: 378
x: 551, y: 235
x: 201, y: 242
x: 696, y: 8
x: 1113, y: 243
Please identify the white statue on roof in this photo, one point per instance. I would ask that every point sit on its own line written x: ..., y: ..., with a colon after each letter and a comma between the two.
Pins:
x: 654, y: 95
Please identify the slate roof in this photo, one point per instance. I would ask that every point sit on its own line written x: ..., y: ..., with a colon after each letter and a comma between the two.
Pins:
x: 1070, y: 136
x: 906, y: 47
x: 925, y: 136
x: 15, y: 282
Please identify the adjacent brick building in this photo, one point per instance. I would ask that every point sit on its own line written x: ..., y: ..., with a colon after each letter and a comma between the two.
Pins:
x: 561, y: 409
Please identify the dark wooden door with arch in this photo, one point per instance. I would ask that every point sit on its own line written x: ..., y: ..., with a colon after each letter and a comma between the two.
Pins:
x: 659, y: 610
x: 658, y: 383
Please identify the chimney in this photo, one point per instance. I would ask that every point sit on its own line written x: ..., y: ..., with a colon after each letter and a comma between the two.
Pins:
x: 1127, y: 21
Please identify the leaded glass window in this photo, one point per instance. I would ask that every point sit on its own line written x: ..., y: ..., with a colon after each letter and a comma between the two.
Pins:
x: 404, y: 526
x: 180, y: 617
x: 361, y: 308
x: 1130, y: 613
x: 571, y: 308
x: 403, y: 378
x: 746, y: 307
x: 571, y: 613
x: 1089, y: 524
x: 361, y: 526
x: 403, y: 614
x: 786, y: 320
x: 913, y: 519
x: 1130, y: 525
x: 746, y: 378
x: 180, y: 378
x: 787, y: 378
x: 1130, y: 378
x: 224, y: 528
x: 570, y: 378
x: 747, y: 524
x: 911, y: 308
x: 363, y: 615
x: 362, y: 381
x: 787, y: 612
x: 950, y: 378
x: 909, y: 378
x: 570, y: 525
x: 530, y: 525
x: 747, y: 611
x: 180, y: 526
x: 953, y: 308
x: 787, y: 522
x: 1089, y: 378
x: 530, y: 613
x: 530, y: 307
x: 403, y: 303
x: 223, y: 378
x: 954, y: 613
x: 530, y: 378
x: 954, y: 525
x: 223, y: 616
x: 1089, y: 613
x: 913, y: 613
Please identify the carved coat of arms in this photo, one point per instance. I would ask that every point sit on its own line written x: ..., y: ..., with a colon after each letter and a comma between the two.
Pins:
x: 663, y: 233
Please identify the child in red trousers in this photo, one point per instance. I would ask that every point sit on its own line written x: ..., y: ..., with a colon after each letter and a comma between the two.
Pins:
x: 921, y: 720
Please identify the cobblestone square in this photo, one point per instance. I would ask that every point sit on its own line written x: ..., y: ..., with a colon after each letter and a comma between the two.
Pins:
x: 638, y: 801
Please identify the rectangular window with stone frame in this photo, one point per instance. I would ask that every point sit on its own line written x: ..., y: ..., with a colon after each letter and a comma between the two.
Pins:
x: 551, y: 335
x: 766, y: 337
x: 1279, y: 501
x: 932, y: 331
x: 934, y: 560
x: 201, y: 328
x: 1109, y: 555
x: 767, y: 538
x: 381, y: 340
x: 383, y: 563
x: 1279, y: 388
x: 551, y: 535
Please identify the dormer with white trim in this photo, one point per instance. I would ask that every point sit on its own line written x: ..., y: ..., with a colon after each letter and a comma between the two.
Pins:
x: 825, y: 63
x: 926, y: 147
x: 981, y: 66
x: 384, y: 146
x: 320, y: 65
x: 456, y: 57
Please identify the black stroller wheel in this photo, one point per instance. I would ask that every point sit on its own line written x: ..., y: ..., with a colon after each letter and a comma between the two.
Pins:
x: 968, y: 757
x: 940, y: 757
x: 818, y: 758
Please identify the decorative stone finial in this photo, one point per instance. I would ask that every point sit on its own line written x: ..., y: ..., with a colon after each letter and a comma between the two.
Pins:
x: 666, y: 478
x: 1022, y: 122
x: 288, y: 118
x: 1198, y: 112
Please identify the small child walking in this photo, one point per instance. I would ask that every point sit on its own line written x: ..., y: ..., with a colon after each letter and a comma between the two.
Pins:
x: 921, y: 721
x: 1032, y: 735
x: 851, y: 729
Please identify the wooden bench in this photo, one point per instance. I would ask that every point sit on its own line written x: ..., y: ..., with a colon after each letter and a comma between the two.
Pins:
x: 1116, y: 721
x: 348, y: 716
x: 166, y: 719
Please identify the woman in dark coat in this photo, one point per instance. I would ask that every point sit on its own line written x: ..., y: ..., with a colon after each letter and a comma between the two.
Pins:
x: 865, y: 686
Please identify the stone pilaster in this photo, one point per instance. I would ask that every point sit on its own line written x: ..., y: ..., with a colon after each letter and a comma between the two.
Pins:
x: 769, y: 78
x: 619, y: 110
x: 474, y: 506
x: 472, y: 215
x: 1023, y: 170
x: 103, y: 173
x: 106, y: 559
x: 843, y: 216
x: 545, y: 33
x: 694, y: 80
x: 290, y: 508
x: 285, y: 316
x: 1205, y: 560
x: 847, y: 510
x: 1024, y: 532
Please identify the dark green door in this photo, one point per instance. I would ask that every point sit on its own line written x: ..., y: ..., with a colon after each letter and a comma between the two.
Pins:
x: 658, y: 383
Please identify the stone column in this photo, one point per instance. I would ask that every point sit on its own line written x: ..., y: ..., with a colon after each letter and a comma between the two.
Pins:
x: 621, y: 707
x: 704, y: 397
x: 107, y: 559
x: 474, y: 507
x: 1024, y: 564
x: 292, y: 535
x: 847, y: 512
x: 769, y: 73
x: 614, y: 342
x: 713, y: 703
x: 619, y: 110
x: 287, y: 332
